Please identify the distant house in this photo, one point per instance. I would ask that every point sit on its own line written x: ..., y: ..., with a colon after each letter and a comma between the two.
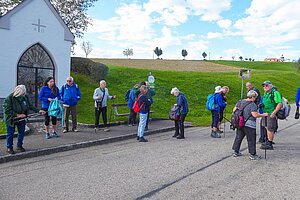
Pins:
x: 35, y: 44
x: 281, y: 59
x: 272, y: 60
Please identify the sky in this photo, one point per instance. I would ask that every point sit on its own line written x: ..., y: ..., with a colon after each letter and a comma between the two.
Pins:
x: 224, y: 29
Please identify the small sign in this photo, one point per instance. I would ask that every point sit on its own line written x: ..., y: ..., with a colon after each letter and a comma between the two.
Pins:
x: 151, y: 80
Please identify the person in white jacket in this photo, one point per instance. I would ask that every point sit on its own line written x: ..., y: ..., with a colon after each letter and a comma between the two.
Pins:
x: 100, y: 96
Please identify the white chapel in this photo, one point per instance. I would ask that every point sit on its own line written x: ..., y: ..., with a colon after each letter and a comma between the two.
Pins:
x: 34, y: 44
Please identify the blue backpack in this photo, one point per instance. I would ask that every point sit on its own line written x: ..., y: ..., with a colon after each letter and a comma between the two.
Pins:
x: 211, y: 102
x: 127, y: 95
x: 55, y: 110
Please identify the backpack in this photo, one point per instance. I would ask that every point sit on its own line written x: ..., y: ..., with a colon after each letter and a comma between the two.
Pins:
x: 64, y: 87
x: 55, y: 110
x: 285, y: 109
x: 174, y: 113
x: 136, y: 108
x: 127, y: 95
x: 237, y: 119
x: 210, y: 102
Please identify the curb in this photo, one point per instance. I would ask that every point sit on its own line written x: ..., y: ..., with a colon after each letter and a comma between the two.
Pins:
x: 68, y: 147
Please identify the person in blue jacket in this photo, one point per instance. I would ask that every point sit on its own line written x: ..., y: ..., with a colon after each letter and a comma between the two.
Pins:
x: 48, y: 92
x: 215, y: 113
x: 297, y: 97
x: 70, y: 94
x: 182, y: 103
x: 131, y: 100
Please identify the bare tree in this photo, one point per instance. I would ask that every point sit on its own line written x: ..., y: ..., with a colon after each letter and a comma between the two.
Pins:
x: 86, y: 47
x: 128, y: 52
x: 72, y: 12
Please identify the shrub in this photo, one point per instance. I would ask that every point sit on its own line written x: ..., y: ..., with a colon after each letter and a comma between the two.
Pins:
x: 97, y: 71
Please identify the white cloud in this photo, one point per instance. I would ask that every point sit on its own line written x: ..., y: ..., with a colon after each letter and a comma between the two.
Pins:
x: 224, y: 23
x: 213, y: 35
x: 270, y: 24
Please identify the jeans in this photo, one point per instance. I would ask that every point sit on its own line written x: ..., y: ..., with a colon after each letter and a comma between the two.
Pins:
x: 142, y: 124
x: 10, y: 134
x: 215, y: 118
x: 250, y: 134
x: 97, y: 116
x: 73, y: 111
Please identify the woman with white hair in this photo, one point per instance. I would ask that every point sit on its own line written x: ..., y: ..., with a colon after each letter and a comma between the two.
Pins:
x: 215, y: 112
x: 249, y: 130
x: 16, y: 107
x: 182, y: 103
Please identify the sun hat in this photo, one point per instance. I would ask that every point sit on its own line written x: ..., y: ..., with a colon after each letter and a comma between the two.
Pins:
x: 218, y: 89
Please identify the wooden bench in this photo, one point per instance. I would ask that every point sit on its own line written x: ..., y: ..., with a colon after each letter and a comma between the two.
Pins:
x: 116, y: 111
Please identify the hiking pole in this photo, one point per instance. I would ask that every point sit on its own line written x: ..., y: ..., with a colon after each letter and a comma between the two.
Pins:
x: 33, y: 115
x: 266, y: 138
x: 224, y: 115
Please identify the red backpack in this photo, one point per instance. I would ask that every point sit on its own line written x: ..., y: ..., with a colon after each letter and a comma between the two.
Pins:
x: 136, y: 108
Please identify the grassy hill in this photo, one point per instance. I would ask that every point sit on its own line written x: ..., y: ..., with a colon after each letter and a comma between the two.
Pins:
x: 196, y: 86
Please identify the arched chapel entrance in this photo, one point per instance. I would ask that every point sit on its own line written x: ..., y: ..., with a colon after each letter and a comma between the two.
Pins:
x: 34, y: 66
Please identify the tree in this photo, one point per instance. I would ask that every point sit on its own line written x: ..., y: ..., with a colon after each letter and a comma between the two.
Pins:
x: 250, y: 59
x: 158, y: 52
x: 86, y: 47
x: 184, y: 53
x: 246, y: 59
x: 241, y: 58
x: 128, y: 52
x: 233, y: 57
x: 72, y: 12
x: 204, y: 55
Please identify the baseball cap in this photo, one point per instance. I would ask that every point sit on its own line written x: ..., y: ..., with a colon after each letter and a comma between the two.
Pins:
x: 267, y: 83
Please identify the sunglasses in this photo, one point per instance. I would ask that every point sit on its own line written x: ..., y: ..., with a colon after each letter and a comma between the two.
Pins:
x: 69, y: 80
x: 265, y: 85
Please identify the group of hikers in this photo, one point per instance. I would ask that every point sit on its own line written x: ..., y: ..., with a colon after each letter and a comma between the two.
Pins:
x: 266, y: 106
x: 139, y: 100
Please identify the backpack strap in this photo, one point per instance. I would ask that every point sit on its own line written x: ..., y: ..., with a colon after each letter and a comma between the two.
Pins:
x: 244, y: 108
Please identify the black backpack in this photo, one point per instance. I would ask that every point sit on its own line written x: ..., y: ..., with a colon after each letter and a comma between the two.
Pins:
x: 237, y: 119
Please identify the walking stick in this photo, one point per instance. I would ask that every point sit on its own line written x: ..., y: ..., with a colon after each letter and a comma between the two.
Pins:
x: 224, y: 116
x: 30, y: 116
x: 266, y: 138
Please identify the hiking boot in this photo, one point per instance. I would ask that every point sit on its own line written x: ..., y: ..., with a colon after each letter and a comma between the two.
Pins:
x: 254, y: 157
x: 137, y: 138
x: 55, y: 135
x: 236, y: 154
x: 21, y: 149
x: 215, y: 135
x: 266, y: 146
x: 219, y: 131
x: 65, y: 130
x: 175, y: 135
x: 180, y: 137
x: 10, y: 151
x: 261, y: 140
x: 48, y: 136
x: 75, y: 130
x: 146, y: 129
x: 106, y: 129
x: 142, y: 139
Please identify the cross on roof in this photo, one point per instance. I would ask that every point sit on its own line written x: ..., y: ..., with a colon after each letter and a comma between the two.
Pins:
x: 39, y: 25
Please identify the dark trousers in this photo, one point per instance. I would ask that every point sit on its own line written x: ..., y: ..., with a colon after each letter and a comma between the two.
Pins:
x: 132, y: 117
x: 215, y: 118
x: 221, y: 114
x: 250, y: 134
x: 97, y: 116
x: 263, y: 132
x: 47, y: 118
x: 179, y: 126
x: 73, y: 111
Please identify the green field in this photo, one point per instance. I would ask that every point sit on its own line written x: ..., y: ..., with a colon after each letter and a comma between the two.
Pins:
x: 196, y: 86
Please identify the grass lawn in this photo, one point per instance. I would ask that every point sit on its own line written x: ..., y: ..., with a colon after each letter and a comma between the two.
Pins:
x: 196, y: 86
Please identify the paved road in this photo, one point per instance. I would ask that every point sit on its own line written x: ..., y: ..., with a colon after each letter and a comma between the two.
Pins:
x: 198, y: 167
